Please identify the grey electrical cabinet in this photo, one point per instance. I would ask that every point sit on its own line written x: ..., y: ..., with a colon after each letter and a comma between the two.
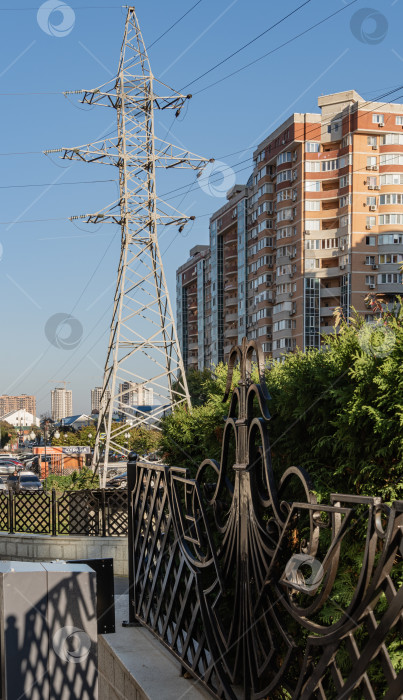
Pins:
x: 48, y: 631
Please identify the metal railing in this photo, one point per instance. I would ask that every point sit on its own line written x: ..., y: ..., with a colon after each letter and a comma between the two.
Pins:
x: 99, y: 512
x: 258, y: 590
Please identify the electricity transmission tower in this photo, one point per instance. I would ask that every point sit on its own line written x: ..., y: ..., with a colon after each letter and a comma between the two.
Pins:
x: 144, y: 359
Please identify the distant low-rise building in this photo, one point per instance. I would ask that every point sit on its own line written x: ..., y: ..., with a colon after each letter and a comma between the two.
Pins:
x: 20, y: 419
x: 76, y: 422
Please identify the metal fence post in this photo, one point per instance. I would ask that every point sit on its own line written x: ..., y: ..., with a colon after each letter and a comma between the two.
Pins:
x: 11, y: 511
x: 54, y: 513
x: 131, y: 483
x: 103, y: 512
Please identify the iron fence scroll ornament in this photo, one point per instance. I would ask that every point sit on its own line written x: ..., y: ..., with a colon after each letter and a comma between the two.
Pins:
x: 233, y: 569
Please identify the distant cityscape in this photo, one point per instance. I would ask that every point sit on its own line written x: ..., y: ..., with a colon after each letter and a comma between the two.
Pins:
x: 20, y: 411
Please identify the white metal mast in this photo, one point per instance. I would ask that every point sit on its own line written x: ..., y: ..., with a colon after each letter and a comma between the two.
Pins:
x: 143, y: 357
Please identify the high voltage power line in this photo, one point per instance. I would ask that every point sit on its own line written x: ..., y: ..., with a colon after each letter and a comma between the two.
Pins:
x: 249, y: 43
x: 210, y: 179
x: 272, y: 51
x: 227, y: 155
x: 227, y: 58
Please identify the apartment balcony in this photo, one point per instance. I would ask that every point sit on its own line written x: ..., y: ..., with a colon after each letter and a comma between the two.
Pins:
x: 231, y: 317
x: 328, y: 194
x: 389, y: 288
x: 327, y: 310
x: 330, y: 224
x: 231, y: 301
x: 228, y: 348
x: 327, y: 330
x: 330, y: 204
x: 231, y: 270
x: 326, y: 292
x: 327, y: 272
x: 231, y: 333
x: 193, y: 346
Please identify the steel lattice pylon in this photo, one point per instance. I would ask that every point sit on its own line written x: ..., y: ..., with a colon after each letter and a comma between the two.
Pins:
x: 143, y: 352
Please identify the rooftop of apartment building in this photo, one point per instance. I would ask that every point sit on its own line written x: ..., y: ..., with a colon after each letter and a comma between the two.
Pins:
x: 337, y: 104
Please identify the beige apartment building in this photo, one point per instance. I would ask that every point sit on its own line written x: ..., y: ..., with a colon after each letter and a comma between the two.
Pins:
x: 319, y: 225
x: 61, y: 403
x: 14, y: 403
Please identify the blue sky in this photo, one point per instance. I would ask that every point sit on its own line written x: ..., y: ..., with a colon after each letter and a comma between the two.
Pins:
x: 51, y: 267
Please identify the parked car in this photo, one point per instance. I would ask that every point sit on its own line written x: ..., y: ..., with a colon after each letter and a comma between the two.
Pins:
x: 3, y: 483
x: 118, y: 482
x: 24, y: 481
x: 9, y: 466
x: 32, y: 464
x: 14, y: 460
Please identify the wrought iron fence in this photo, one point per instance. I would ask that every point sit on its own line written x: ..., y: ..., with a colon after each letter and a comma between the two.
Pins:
x: 255, y: 587
x: 101, y: 512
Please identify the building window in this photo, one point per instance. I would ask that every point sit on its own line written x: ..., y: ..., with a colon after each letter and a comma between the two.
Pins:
x: 312, y: 224
x: 370, y: 240
x: 399, y: 120
x: 312, y: 205
x: 391, y: 159
x: 392, y: 139
x: 285, y: 157
x: 391, y: 198
x: 283, y: 176
x: 369, y: 279
x: 371, y: 221
x: 390, y: 278
x: 312, y: 146
x: 392, y: 179
x: 390, y: 258
x: 312, y: 166
x: 390, y: 239
x: 378, y: 118
x: 371, y: 140
x: 312, y: 185
x: 370, y: 260
x: 387, y: 219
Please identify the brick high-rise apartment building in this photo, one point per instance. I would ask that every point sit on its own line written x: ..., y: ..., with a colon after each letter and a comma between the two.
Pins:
x: 318, y: 226
x: 13, y: 403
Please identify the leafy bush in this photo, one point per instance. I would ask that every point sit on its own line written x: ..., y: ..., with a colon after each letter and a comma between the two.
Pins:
x: 337, y: 412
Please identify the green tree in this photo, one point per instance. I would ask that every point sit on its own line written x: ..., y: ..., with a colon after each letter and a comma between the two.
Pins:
x: 338, y: 412
x: 7, y: 433
x: 189, y: 436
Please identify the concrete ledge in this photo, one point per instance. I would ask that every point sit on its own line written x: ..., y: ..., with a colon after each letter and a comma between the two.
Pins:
x: 21, y: 547
x: 133, y: 665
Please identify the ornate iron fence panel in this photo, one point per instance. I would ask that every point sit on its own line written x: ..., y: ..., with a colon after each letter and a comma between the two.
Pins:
x: 4, y: 511
x: 78, y: 513
x: 237, y: 571
x: 116, y: 501
x: 32, y: 513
